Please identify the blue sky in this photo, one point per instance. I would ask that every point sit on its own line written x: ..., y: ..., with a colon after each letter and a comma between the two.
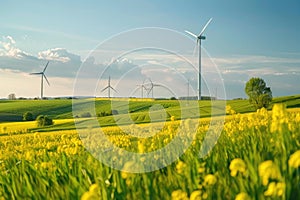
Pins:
x: 245, y: 38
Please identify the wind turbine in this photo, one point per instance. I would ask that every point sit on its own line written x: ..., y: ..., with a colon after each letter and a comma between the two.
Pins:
x: 152, y: 85
x: 108, y: 87
x: 152, y: 88
x: 42, y: 78
x: 142, y: 87
x: 199, y: 38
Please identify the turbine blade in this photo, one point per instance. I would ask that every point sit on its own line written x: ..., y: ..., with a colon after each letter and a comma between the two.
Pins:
x: 104, y: 88
x: 46, y: 79
x: 46, y: 67
x: 36, y: 73
x: 192, y: 34
x: 148, y: 91
x: 205, y: 27
x: 134, y: 91
x: 113, y: 89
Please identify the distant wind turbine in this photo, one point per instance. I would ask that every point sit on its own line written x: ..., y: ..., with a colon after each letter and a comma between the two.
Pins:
x: 151, y: 86
x: 142, y: 87
x: 42, y: 78
x: 108, y: 87
x: 199, y: 38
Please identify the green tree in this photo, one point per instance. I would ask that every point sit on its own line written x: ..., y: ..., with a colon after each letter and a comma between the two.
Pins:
x: 28, y: 116
x: 259, y: 94
x: 43, y: 121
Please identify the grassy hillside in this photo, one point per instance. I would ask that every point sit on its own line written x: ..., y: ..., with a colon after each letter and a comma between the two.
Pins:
x: 137, y: 111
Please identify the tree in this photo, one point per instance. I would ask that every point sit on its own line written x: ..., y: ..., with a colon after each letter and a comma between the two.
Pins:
x: 43, y: 121
x: 28, y: 116
x: 12, y: 96
x: 259, y: 94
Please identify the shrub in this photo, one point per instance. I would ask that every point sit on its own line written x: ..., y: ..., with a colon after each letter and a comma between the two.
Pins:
x: 28, y: 116
x: 109, y: 113
x: 87, y: 114
x: 44, y: 121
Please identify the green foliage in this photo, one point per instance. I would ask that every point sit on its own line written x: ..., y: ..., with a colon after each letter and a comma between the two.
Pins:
x: 104, y: 114
x: 28, y: 116
x: 86, y: 115
x: 44, y: 121
x: 259, y: 94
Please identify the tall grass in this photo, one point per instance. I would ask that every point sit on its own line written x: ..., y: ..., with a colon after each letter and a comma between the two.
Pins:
x: 256, y: 157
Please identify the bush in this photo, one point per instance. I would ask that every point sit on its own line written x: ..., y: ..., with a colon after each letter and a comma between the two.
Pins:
x: 44, y: 121
x: 28, y: 116
x: 85, y: 115
x: 109, y: 113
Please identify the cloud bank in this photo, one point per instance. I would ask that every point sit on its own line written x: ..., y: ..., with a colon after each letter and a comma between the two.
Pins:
x: 280, y: 73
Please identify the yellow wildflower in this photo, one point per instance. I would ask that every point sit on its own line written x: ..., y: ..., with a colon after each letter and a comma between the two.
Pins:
x: 242, y: 196
x: 294, y: 160
x: 229, y: 110
x: 196, y: 195
x: 180, y: 167
x: 94, y: 188
x: 275, y: 189
x: 141, y: 147
x: 173, y: 118
x: 92, y: 194
x: 201, y: 170
x: 279, y: 117
x: 268, y: 170
x: 205, y: 195
x: 237, y: 165
x: 210, y: 179
x: 89, y: 196
x: 179, y: 195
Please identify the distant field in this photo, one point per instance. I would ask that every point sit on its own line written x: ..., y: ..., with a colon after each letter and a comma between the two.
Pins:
x: 127, y: 111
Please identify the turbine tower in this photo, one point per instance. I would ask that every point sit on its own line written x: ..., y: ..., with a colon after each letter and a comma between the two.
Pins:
x: 142, y: 87
x: 199, y: 38
x: 108, y: 87
x: 42, y: 78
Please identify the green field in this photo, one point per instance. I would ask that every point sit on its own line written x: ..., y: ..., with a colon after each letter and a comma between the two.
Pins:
x: 13, y: 110
x: 256, y: 155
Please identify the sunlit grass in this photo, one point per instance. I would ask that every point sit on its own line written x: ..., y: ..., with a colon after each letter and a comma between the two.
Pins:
x: 256, y: 157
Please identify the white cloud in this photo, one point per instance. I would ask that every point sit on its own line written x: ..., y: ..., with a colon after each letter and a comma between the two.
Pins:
x: 11, y: 39
x: 57, y: 54
x: 9, y: 49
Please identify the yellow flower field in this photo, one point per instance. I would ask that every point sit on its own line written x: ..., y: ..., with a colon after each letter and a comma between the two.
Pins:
x: 257, y: 156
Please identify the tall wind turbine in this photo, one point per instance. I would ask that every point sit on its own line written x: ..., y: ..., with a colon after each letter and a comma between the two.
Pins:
x: 199, y: 38
x: 42, y: 78
x: 108, y: 87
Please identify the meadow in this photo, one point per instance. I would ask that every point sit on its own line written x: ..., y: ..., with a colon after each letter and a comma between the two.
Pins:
x: 257, y: 155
